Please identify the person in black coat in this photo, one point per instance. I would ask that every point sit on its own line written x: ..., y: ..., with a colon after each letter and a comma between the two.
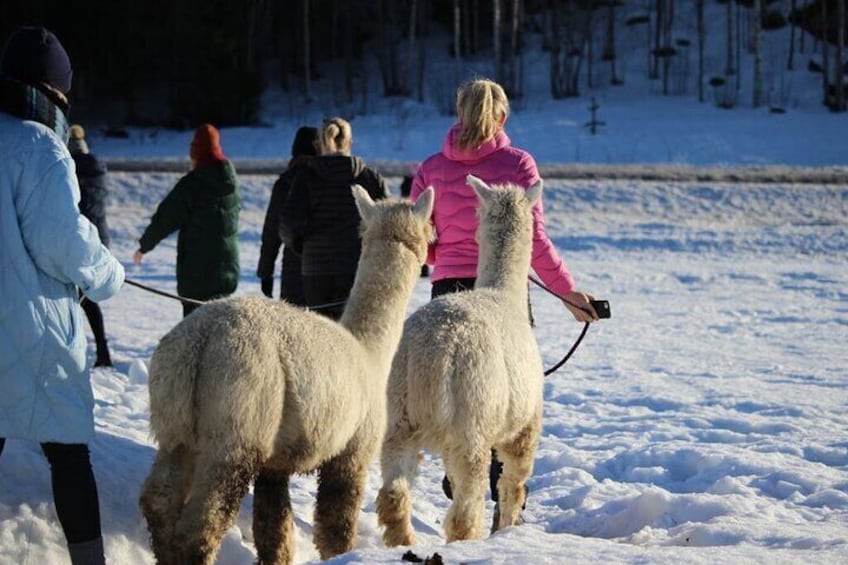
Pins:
x: 320, y: 219
x: 91, y: 175
x: 304, y: 147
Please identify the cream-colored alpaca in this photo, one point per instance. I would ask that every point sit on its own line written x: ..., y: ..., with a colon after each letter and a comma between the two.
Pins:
x: 251, y: 389
x: 467, y: 377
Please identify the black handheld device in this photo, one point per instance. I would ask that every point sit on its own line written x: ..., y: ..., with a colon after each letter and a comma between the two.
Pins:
x: 602, y: 307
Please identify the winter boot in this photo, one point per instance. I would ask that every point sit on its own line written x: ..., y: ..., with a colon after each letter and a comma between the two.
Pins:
x: 103, y: 357
x: 87, y: 552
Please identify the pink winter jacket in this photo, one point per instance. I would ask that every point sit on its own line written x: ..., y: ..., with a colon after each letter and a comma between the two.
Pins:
x: 454, y: 252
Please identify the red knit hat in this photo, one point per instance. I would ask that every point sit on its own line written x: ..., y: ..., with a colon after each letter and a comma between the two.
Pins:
x: 206, y: 145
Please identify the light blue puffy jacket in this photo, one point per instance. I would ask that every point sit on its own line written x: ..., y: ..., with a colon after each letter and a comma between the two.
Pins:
x: 47, y: 251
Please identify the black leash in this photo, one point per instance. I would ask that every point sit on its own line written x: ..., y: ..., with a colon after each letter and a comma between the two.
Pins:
x: 535, y: 281
x: 571, y: 351
x: 162, y: 293
x: 199, y: 302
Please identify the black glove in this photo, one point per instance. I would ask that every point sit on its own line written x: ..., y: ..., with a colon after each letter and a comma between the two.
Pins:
x: 268, y: 286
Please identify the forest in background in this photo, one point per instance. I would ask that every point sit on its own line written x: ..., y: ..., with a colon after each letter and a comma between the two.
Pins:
x: 180, y: 63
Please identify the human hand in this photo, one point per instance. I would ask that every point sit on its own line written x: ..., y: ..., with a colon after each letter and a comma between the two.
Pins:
x: 267, y: 284
x: 137, y: 257
x: 578, y: 303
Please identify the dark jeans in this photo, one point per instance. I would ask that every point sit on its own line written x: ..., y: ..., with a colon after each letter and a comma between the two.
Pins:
x: 448, y: 286
x: 322, y: 290
x: 74, y: 489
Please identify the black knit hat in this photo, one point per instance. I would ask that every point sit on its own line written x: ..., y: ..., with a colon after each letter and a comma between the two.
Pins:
x: 34, y: 55
x: 304, y: 142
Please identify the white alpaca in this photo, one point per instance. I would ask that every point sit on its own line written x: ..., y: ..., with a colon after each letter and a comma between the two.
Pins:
x: 467, y: 377
x: 251, y: 389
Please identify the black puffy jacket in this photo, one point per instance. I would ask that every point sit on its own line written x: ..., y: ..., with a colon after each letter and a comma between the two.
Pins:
x: 91, y: 174
x: 320, y: 219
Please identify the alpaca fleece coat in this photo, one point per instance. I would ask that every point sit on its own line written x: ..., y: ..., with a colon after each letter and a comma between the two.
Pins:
x: 467, y: 377
x: 251, y: 389
x: 49, y: 252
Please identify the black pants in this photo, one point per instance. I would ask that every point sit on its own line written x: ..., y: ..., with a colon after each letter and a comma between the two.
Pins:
x: 323, y: 290
x: 74, y: 489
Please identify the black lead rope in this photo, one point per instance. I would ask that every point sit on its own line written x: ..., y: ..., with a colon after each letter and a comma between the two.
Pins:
x: 571, y: 351
x: 559, y: 364
x: 199, y: 302
x: 162, y: 292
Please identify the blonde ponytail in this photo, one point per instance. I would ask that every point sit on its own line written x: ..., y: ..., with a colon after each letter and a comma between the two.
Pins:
x: 481, y: 106
x: 336, y: 136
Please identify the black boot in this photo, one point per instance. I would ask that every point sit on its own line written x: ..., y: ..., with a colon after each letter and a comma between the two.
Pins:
x: 103, y: 357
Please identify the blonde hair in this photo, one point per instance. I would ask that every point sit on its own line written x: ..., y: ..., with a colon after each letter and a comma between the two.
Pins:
x: 336, y: 136
x: 481, y: 106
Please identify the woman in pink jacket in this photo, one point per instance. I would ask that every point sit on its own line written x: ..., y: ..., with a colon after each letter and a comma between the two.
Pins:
x: 478, y: 145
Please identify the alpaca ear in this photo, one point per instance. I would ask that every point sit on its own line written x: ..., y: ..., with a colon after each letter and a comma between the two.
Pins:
x: 423, y: 207
x: 364, y: 203
x: 480, y: 188
x: 534, y: 193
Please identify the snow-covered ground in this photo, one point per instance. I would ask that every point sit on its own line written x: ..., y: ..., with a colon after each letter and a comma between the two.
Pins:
x: 705, y: 422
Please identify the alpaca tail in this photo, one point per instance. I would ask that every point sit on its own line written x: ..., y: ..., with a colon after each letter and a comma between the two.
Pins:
x: 172, y: 380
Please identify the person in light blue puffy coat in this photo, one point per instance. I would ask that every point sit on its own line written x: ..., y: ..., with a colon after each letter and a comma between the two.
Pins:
x: 49, y: 253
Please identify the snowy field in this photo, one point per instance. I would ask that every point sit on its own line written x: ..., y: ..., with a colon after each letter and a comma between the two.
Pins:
x: 706, y: 422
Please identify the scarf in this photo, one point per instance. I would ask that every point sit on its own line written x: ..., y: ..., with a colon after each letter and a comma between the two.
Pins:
x: 29, y: 103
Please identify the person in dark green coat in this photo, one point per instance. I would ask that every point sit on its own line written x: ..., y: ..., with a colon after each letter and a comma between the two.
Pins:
x: 204, y: 206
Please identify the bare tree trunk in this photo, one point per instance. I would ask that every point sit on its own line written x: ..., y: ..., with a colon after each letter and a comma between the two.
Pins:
x: 589, y: 41
x: 757, y: 90
x: 307, y: 78
x: 825, y: 55
x: 348, y: 52
x: 410, y: 48
x: 840, y: 46
x: 457, y: 46
x: 556, y: 46
x: 790, y: 61
x: 475, y: 26
x: 702, y: 40
x: 512, y: 80
x: 738, y: 48
x: 609, y: 49
x: 496, y: 39
x: 666, y: 42
x: 660, y: 18
x: 728, y: 63
x: 421, y: 51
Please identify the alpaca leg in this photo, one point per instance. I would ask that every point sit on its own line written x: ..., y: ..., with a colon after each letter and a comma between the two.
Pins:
x: 467, y: 472
x: 517, y: 458
x: 273, y: 522
x: 341, y: 482
x: 399, y: 462
x: 162, y: 497
x: 218, y: 489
